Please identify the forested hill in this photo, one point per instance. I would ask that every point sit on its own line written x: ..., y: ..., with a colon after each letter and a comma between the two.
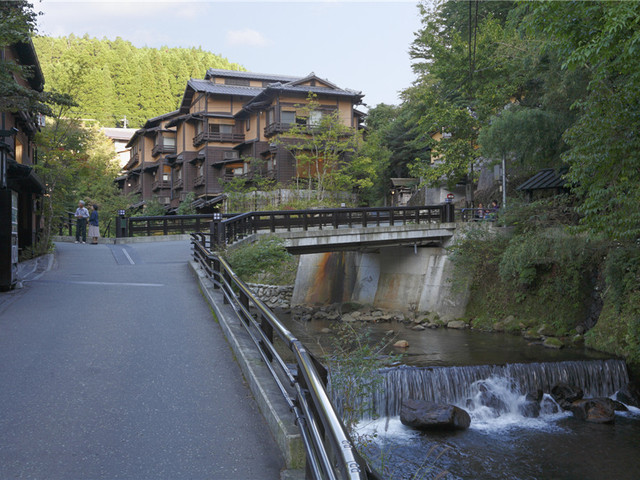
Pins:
x: 112, y: 78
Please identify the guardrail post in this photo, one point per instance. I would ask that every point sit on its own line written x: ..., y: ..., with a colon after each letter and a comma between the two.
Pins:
x: 447, y: 213
x: 70, y: 217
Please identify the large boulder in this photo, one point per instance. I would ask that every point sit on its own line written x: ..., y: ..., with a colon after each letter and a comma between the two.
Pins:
x: 425, y: 415
x: 530, y: 408
x: 594, y: 410
x: 566, y: 394
x: 457, y: 324
x: 627, y: 398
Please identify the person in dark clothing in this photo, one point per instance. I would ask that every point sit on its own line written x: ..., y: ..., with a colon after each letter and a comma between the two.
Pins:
x: 94, y: 229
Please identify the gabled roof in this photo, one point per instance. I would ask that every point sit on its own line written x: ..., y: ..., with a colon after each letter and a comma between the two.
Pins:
x: 312, y: 76
x: 215, y: 72
x: 271, y: 90
x: 29, y: 58
x: 207, y: 86
x: 152, y: 125
x: 119, y: 133
x: 544, y: 179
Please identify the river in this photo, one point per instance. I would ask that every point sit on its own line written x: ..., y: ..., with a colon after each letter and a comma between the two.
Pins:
x: 450, y: 366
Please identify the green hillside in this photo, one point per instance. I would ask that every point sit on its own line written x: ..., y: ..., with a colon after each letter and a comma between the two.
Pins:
x: 112, y: 78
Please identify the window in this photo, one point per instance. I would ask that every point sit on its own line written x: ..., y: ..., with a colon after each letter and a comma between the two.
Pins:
x: 169, y: 141
x: 18, y: 151
x: 288, y: 117
x: 201, y: 169
x: 218, y: 128
x: 247, y: 124
x: 179, y: 174
x: 315, y: 117
x: 165, y: 177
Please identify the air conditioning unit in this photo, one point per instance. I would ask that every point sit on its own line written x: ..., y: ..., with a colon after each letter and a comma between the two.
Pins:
x: 165, y: 200
x: 231, y: 155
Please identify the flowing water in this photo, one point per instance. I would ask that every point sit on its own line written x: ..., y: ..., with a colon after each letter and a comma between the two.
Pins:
x: 489, y: 376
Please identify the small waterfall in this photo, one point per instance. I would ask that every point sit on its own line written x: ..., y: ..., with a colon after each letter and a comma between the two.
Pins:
x: 455, y: 385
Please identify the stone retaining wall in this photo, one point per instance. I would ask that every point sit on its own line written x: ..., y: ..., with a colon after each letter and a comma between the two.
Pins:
x: 275, y: 296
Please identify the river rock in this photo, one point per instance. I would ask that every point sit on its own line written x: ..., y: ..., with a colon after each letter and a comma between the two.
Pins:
x: 305, y: 318
x: 425, y: 415
x: 457, y: 324
x: 401, y: 344
x: 546, y: 331
x: 498, y: 327
x: 325, y: 330
x: 529, y: 409
x: 553, y: 342
x: 548, y: 406
x: 348, y: 318
x: 417, y: 327
x: 594, y: 410
x: 565, y: 394
x: 627, y: 398
x: 534, y: 396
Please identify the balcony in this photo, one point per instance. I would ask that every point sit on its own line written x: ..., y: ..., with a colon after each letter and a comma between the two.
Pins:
x: 159, y: 148
x: 203, y: 137
x: 178, y: 184
x: 199, y: 180
x: 277, y: 127
x: 136, y: 188
x: 160, y: 185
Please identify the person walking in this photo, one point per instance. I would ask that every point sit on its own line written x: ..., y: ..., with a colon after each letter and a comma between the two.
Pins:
x: 81, y: 222
x: 94, y: 229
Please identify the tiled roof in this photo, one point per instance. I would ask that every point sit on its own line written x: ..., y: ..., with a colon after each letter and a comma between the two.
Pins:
x: 546, y: 178
x: 210, y: 87
x: 215, y: 72
x: 119, y: 133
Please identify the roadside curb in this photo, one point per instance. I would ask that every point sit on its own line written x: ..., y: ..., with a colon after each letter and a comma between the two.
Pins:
x: 128, y: 240
x: 267, y: 395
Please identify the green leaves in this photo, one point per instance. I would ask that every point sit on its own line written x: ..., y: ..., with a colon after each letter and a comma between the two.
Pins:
x: 111, y: 79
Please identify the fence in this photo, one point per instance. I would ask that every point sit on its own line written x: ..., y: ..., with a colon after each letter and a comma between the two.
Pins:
x: 330, y: 452
x: 237, y: 227
x: 163, y: 225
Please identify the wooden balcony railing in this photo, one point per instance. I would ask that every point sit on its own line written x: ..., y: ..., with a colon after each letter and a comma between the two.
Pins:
x: 159, y: 184
x: 163, y: 149
x: 203, y: 137
x: 276, y: 127
x: 178, y: 184
x: 198, y: 181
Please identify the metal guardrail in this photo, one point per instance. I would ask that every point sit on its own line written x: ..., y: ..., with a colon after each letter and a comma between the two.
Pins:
x: 478, y: 214
x: 237, y: 227
x: 330, y: 452
x: 163, y: 225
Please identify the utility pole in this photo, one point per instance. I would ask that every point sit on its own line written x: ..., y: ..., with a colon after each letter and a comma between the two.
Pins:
x: 124, y: 122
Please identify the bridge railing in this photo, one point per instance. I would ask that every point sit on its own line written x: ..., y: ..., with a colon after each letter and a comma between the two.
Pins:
x: 164, y: 225
x: 330, y: 452
x: 237, y: 227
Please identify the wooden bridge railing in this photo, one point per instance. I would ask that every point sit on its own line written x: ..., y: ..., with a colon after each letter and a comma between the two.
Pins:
x: 230, y: 230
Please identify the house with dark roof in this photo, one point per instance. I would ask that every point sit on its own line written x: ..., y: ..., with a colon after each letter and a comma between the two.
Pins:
x: 147, y: 172
x: 21, y: 189
x: 225, y: 129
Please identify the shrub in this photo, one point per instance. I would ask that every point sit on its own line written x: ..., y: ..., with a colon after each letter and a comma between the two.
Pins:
x: 264, y: 261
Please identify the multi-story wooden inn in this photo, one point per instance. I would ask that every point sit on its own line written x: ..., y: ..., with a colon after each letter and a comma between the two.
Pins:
x: 223, y: 125
x: 21, y: 189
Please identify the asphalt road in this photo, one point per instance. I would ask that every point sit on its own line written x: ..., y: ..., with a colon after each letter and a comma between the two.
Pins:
x: 112, y: 367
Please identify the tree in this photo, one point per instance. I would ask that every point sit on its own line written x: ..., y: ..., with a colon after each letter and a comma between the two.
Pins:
x: 604, y: 167
x: 321, y: 145
x: 17, y: 24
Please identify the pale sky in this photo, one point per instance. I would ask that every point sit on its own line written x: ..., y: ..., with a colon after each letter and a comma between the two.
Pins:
x: 362, y: 45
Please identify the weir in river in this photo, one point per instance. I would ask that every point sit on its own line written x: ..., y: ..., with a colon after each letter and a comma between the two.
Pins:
x: 597, y: 378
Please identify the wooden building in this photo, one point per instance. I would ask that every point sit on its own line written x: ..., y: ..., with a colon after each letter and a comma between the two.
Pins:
x: 20, y: 188
x: 226, y: 124
x: 147, y: 172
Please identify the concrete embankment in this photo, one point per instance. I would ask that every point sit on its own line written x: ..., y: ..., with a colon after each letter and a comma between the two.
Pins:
x: 395, y: 278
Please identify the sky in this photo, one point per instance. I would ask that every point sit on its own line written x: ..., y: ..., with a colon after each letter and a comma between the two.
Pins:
x: 362, y: 45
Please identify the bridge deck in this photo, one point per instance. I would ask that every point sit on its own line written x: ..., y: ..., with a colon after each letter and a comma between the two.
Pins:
x: 111, y: 367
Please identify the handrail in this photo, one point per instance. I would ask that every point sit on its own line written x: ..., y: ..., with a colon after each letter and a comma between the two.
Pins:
x: 232, y: 229
x: 330, y: 452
